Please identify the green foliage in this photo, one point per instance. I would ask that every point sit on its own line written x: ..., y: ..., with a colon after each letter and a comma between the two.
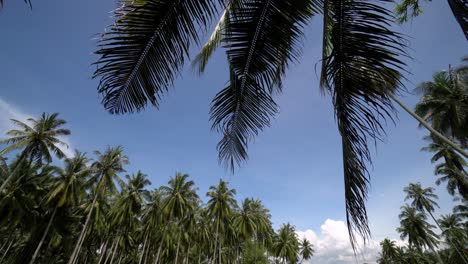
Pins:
x: 82, y: 211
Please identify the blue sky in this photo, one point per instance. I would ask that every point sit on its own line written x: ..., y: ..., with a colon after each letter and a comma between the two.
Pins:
x: 294, y: 167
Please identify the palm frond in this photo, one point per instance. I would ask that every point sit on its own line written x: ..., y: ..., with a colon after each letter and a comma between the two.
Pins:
x: 145, y: 49
x: 361, y: 70
x: 262, y: 39
x: 460, y: 11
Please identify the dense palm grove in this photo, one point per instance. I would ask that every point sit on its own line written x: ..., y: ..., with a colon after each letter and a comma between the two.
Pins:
x: 86, y: 211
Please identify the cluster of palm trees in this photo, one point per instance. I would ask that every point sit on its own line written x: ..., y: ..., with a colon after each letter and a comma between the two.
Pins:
x: 84, y: 212
x: 443, y: 104
x: 424, y: 245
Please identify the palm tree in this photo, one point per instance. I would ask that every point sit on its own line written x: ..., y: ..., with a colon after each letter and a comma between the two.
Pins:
x: 106, y: 167
x: 413, y: 225
x: 452, y: 169
x: 145, y: 49
x: 444, y: 103
x: 127, y: 209
x: 423, y: 199
x: 390, y: 253
x: 37, y: 141
x: 220, y: 208
x: 66, y: 189
x: 286, y: 245
x: 180, y: 196
x: 455, y: 232
x: 306, y: 249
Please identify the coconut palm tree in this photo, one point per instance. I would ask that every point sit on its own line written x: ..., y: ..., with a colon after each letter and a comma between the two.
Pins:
x: 452, y: 169
x: 37, y: 140
x: 106, y: 167
x: 180, y: 196
x: 220, y: 208
x: 143, y: 52
x: 306, y: 250
x: 286, y: 244
x: 455, y: 232
x: 423, y: 199
x: 444, y: 103
x: 67, y: 189
x: 416, y: 229
x: 390, y: 253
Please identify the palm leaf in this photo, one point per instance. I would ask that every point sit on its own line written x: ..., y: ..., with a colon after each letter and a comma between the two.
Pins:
x: 145, y: 49
x: 460, y: 11
x: 361, y: 70
x: 262, y: 39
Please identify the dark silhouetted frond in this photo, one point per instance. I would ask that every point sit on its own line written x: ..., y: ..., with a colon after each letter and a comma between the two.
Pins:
x: 262, y: 39
x: 460, y: 11
x: 144, y: 50
x: 362, y: 68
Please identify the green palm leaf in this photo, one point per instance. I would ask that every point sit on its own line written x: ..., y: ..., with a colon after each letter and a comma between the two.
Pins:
x: 145, y: 49
x: 361, y: 70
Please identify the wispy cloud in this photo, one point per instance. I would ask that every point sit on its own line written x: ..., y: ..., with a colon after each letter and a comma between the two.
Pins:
x: 9, y: 111
x: 332, y: 246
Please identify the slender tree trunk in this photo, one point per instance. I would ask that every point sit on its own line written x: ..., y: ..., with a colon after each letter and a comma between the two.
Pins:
x: 115, y: 250
x: 110, y: 252
x: 199, y: 257
x: 83, y: 232
x: 103, y: 251
x: 187, y: 255
x: 6, y: 251
x: 120, y: 259
x: 449, y: 240
x: 160, y: 244
x: 147, y: 253
x: 177, y: 251
x: 428, y: 127
x: 216, y: 241
x: 46, y: 231
x: 143, y: 251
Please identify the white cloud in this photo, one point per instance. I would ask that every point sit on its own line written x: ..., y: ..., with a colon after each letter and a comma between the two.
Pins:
x: 332, y: 246
x: 9, y: 111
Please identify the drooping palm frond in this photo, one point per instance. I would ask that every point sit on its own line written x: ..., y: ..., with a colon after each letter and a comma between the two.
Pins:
x: 262, y: 39
x: 460, y: 11
x: 362, y: 69
x: 144, y: 50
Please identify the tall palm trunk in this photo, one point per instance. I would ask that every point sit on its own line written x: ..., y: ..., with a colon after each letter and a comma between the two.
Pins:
x: 115, y: 250
x: 103, y: 251
x: 160, y: 244
x: 428, y: 127
x: 110, y: 252
x: 216, y: 241
x: 143, y: 251
x: 83, y: 230
x: 6, y: 251
x: 187, y: 254
x: 177, y: 251
x: 46, y: 231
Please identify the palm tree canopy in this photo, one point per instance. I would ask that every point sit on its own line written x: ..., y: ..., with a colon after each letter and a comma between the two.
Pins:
x: 306, y: 249
x: 423, y: 199
x: 69, y: 185
x: 39, y: 139
x: 444, y: 103
x: 413, y: 225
